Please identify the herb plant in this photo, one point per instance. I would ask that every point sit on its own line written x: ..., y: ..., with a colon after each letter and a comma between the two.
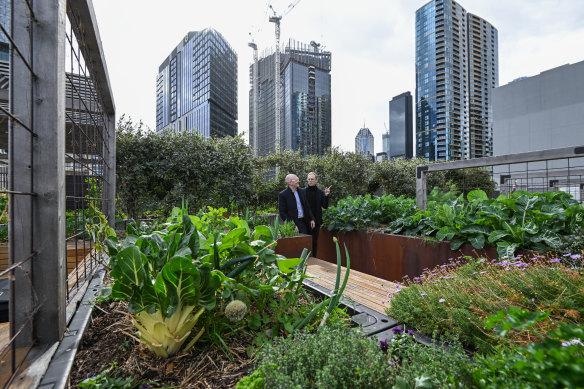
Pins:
x: 457, y: 297
x: 329, y: 358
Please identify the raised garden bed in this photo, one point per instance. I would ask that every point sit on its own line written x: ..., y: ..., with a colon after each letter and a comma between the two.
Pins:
x: 292, y: 246
x: 392, y: 257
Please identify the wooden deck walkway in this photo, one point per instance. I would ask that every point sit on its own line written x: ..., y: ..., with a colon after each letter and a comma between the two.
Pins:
x: 362, y: 288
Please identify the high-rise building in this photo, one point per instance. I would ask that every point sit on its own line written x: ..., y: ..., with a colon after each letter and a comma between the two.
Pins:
x: 364, y: 142
x: 196, y: 86
x: 305, y: 100
x: 401, y: 138
x: 456, y: 69
x: 385, y: 146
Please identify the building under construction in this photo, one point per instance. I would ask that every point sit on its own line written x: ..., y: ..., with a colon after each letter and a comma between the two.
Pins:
x: 305, y: 100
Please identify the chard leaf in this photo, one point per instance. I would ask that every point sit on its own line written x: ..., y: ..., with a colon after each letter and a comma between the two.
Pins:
x: 477, y: 195
x: 530, y: 227
x: 497, y: 235
x: 144, y: 299
x: 551, y: 238
x: 475, y: 229
x: 180, y: 275
x: 288, y: 265
x: 477, y: 241
x: 262, y: 232
x: 445, y: 233
x: 232, y: 238
x: 129, y: 267
x: 455, y: 244
x: 506, y: 249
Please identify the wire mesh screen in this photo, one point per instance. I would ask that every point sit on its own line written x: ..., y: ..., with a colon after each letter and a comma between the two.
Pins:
x: 85, y: 129
x: 52, y: 119
x: 549, y: 170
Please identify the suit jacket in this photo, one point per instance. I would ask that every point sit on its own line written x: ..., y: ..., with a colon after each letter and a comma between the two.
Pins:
x: 322, y: 201
x: 287, y: 205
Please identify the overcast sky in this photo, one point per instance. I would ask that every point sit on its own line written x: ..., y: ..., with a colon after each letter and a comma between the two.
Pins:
x: 372, y: 44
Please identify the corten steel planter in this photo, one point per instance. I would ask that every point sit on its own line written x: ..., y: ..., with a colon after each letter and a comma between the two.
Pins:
x: 292, y: 246
x: 391, y: 257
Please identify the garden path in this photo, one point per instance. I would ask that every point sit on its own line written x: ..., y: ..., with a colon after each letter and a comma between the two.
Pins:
x: 362, y: 288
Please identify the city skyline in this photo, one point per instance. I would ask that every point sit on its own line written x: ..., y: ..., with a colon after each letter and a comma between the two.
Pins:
x: 373, y: 47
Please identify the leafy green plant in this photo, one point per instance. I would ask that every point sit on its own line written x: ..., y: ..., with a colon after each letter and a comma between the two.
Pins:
x: 525, y: 221
x: 167, y: 292
x: 109, y: 377
x: 329, y: 358
x: 366, y: 211
x: 457, y: 297
x: 287, y: 229
x: 555, y: 362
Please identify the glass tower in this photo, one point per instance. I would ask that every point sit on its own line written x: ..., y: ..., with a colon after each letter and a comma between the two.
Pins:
x: 364, y: 142
x: 456, y: 69
x: 401, y: 127
x: 305, y: 100
x: 196, y: 86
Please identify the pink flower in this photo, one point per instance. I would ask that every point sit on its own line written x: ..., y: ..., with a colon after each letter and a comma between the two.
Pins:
x: 441, y: 300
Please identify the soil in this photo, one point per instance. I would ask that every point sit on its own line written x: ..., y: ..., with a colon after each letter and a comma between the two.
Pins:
x: 107, y: 340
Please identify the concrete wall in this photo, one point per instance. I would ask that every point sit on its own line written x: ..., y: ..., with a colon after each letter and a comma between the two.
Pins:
x: 540, y: 112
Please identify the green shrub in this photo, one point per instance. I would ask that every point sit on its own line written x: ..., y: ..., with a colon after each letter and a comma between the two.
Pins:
x: 329, y: 358
x: 457, y: 297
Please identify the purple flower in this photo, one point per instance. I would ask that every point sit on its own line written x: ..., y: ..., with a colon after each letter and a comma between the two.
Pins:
x: 554, y: 260
x: 576, y: 256
x: 422, y: 294
x: 441, y: 300
x: 397, y: 291
x: 483, y: 272
x: 397, y: 330
x: 384, y: 346
x: 481, y: 260
x: 410, y: 332
x: 572, y: 342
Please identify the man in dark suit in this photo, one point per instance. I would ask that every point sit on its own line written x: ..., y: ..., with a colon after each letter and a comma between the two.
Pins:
x: 317, y: 200
x: 292, y: 206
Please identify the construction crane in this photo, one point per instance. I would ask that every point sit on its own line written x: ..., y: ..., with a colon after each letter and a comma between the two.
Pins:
x: 276, y: 20
x: 255, y: 94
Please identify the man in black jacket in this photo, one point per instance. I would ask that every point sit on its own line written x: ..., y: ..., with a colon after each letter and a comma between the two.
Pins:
x: 317, y: 200
x: 292, y: 206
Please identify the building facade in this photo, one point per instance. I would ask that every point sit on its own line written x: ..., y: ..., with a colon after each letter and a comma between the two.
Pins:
x: 401, y: 138
x: 456, y: 69
x: 540, y: 112
x: 365, y: 143
x: 385, y: 145
x: 196, y: 86
x: 305, y: 100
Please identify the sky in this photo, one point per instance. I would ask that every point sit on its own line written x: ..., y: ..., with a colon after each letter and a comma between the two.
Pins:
x: 372, y: 44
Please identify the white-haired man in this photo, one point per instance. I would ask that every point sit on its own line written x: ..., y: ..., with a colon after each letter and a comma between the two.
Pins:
x: 293, y: 206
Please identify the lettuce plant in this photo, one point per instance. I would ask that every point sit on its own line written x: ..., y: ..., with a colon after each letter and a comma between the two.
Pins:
x: 166, y: 290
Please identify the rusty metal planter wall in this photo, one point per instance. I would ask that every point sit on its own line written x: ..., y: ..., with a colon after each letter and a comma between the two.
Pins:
x: 291, y: 247
x: 391, y: 257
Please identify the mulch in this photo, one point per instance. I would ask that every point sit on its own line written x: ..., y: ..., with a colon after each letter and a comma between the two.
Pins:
x: 205, y: 366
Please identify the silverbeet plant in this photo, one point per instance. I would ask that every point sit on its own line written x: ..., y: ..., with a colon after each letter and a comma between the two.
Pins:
x: 167, y: 290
